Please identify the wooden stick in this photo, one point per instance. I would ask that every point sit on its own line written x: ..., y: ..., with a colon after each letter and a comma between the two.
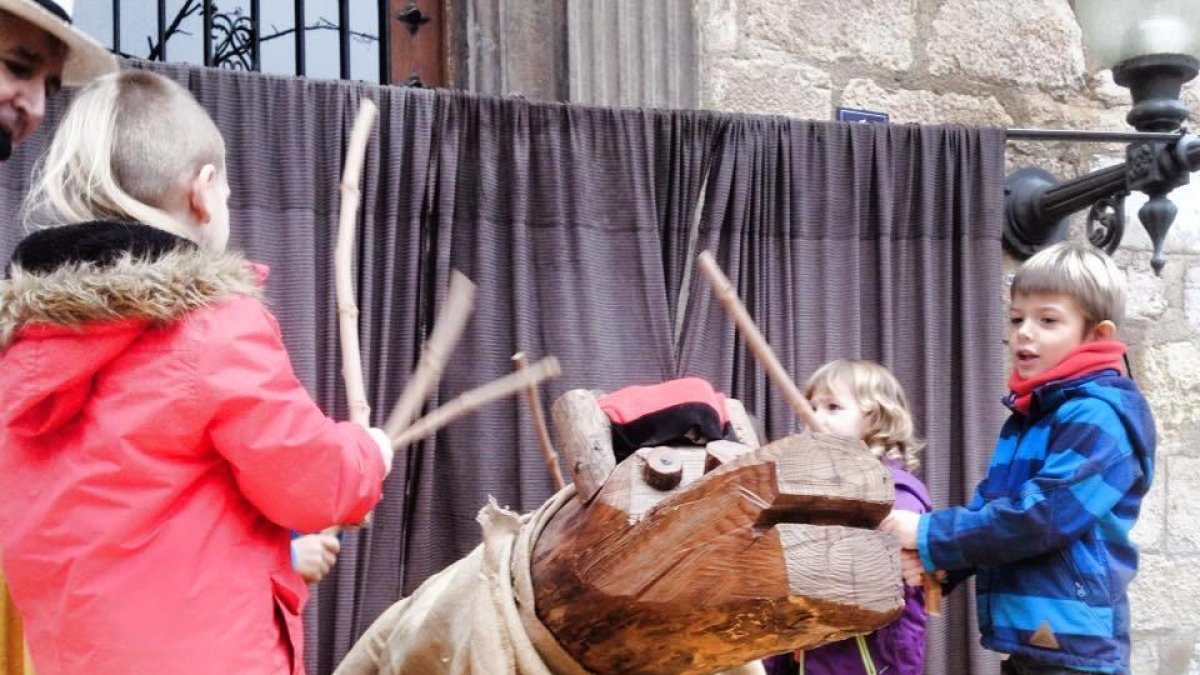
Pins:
x: 539, y: 424
x: 725, y: 292
x: 497, y: 389
x: 356, y: 393
x: 460, y: 300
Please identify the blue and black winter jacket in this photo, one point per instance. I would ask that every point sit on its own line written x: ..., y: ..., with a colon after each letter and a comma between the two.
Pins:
x: 1047, y: 533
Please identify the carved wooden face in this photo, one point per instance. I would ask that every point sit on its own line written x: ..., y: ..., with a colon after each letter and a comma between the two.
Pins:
x: 687, y: 559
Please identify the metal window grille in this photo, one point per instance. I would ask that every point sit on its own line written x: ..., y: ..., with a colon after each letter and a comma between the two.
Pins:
x: 232, y: 33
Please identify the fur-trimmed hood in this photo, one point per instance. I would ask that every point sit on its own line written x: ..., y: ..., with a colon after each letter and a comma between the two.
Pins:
x: 95, y: 272
x: 78, y: 297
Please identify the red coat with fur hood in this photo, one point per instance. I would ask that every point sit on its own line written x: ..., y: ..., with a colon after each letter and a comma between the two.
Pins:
x: 155, y: 448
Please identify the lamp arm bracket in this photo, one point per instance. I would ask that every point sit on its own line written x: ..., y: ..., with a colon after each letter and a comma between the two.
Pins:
x: 1037, y: 204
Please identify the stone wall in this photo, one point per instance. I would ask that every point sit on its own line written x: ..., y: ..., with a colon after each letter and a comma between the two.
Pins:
x: 1017, y: 63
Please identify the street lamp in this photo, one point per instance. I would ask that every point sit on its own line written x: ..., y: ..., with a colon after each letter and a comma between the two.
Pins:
x: 1151, y: 46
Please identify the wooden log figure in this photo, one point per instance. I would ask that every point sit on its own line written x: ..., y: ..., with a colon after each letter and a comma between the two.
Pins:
x: 682, y: 559
x: 747, y: 555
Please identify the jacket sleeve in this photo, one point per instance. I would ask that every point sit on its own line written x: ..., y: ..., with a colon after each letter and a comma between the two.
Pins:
x: 908, y: 500
x: 303, y: 470
x: 1089, y: 465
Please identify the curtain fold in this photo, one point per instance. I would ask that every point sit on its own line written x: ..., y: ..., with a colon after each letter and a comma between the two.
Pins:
x: 865, y: 241
x: 556, y: 212
x: 579, y: 226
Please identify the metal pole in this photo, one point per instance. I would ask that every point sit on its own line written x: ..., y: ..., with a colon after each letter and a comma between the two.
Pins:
x: 256, y: 26
x: 344, y: 37
x: 299, y: 14
x: 1087, y: 136
x: 1036, y: 204
x: 208, y: 55
x: 117, y: 25
x: 162, y: 30
x: 385, y: 42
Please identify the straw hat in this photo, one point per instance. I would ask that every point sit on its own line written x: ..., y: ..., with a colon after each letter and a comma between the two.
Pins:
x: 86, y: 58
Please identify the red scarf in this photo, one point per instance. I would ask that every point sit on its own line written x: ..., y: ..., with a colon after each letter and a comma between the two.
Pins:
x: 1089, y: 357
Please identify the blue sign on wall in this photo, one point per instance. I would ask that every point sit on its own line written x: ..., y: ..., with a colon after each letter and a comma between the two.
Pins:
x: 860, y: 115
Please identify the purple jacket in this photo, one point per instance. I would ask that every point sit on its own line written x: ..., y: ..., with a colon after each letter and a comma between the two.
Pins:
x: 896, y: 649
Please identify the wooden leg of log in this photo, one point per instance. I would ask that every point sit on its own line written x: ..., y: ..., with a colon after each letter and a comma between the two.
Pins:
x: 767, y: 553
x: 717, y: 453
x: 585, y: 436
x: 743, y: 427
x: 663, y: 470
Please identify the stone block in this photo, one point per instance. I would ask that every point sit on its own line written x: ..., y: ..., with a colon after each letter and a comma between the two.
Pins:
x: 1169, y: 376
x: 718, y: 26
x: 874, y: 32
x: 1026, y: 43
x: 1191, y: 297
x: 1063, y: 160
x: 1076, y: 112
x: 1144, y: 659
x: 1162, y: 595
x: 1146, y: 296
x: 1183, y: 508
x: 1108, y: 92
x: 768, y: 87
x: 1179, y: 652
x: 925, y: 107
x: 1149, y: 533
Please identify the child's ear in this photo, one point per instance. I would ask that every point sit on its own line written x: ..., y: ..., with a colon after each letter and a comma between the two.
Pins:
x: 1105, y: 330
x: 200, y: 194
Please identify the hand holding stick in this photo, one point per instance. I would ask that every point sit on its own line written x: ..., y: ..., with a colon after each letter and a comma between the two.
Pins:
x: 933, y: 595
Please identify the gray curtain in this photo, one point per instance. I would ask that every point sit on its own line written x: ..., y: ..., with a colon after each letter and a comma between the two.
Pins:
x: 866, y: 241
x: 579, y: 226
x: 556, y: 212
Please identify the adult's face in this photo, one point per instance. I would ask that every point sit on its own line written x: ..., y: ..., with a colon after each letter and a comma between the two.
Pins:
x: 31, y: 65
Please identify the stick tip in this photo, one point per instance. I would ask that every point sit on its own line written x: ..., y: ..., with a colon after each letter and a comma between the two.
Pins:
x: 366, y: 106
x: 461, y: 285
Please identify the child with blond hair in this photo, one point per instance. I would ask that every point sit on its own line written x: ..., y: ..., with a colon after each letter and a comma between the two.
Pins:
x: 155, y: 445
x: 863, y: 400
x: 1047, y: 533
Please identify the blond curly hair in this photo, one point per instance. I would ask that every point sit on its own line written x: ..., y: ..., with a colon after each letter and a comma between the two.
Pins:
x: 888, y: 421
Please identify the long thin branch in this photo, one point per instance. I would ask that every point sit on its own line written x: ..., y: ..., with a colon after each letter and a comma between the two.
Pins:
x: 520, y: 362
x: 321, y: 24
x: 725, y: 292
x: 460, y: 300
x: 184, y: 12
x: 356, y: 394
x: 510, y: 384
